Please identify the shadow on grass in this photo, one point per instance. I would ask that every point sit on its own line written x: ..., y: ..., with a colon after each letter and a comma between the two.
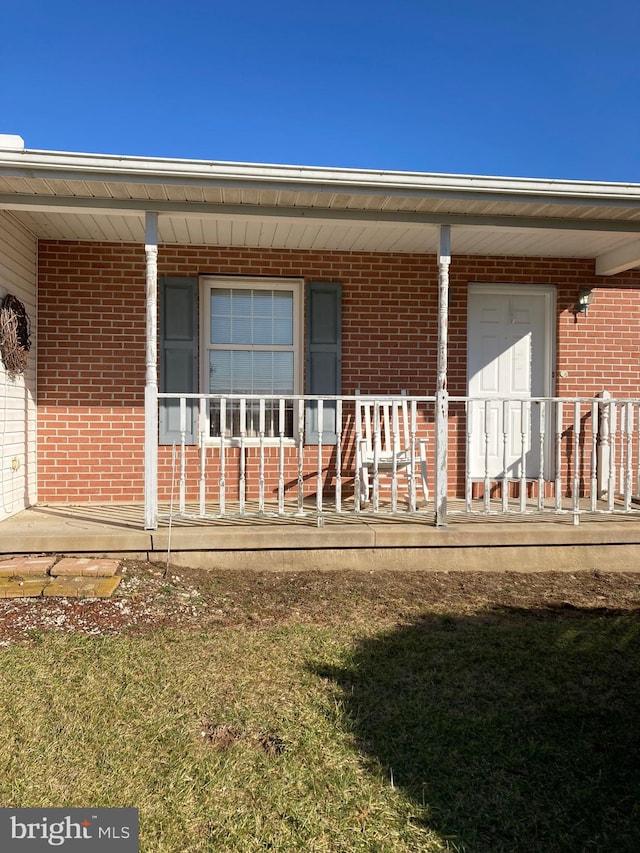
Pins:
x: 516, y: 730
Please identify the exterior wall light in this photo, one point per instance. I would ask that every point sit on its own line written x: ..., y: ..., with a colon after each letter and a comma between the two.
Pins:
x: 585, y: 298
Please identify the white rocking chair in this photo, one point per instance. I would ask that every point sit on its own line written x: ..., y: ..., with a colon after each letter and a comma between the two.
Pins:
x: 386, y: 445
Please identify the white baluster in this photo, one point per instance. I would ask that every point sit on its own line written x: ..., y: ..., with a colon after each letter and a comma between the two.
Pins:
x: 223, y: 457
x: 621, y: 449
x: 183, y: 454
x: 243, y: 462
x: 358, y: 439
x: 468, y: 485
x: 281, y: 433
x: 300, y: 407
x: 604, y: 446
x: 261, y: 431
x: 395, y: 447
x: 629, y: 454
x: 541, y: 454
x: 338, y: 456
x: 413, y: 435
x: 576, y: 462
x: 319, y: 482
x: 559, y: 427
x: 487, y: 483
x: 505, y: 454
x: 593, y: 488
x: 202, y: 428
x: 376, y: 453
x: 613, y: 430
x: 525, y: 431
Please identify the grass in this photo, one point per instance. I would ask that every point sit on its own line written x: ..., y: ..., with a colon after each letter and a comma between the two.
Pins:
x: 518, y: 731
x: 505, y: 731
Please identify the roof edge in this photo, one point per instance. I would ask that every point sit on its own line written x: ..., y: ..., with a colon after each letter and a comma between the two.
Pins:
x: 63, y: 165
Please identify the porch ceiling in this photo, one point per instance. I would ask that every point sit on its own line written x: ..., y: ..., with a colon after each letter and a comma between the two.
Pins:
x: 283, y: 233
x: 99, y: 197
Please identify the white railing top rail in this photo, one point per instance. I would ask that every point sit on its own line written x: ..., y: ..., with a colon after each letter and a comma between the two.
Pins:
x: 516, y: 399
x: 175, y: 395
x: 426, y: 398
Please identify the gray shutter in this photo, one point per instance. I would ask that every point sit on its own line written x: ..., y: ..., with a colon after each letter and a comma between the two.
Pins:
x: 178, y: 355
x: 324, y: 357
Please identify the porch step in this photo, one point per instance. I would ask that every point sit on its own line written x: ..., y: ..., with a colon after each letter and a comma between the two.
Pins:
x: 71, y: 577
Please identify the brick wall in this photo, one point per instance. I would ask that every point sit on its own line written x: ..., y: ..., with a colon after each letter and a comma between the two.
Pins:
x: 92, y: 342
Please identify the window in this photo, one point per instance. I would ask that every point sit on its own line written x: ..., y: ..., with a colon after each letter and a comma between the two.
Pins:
x: 248, y: 340
x: 251, y: 345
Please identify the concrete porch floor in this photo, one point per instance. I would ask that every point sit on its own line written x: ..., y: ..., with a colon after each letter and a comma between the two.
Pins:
x: 489, y: 543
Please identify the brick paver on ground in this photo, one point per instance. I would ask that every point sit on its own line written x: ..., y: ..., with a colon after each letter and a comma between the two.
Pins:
x: 79, y: 587
x: 71, y: 577
x: 26, y: 566
x: 85, y: 567
x: 28, y: 587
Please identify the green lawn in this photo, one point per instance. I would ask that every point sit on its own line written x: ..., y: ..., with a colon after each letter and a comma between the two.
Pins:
x: 513, y: 730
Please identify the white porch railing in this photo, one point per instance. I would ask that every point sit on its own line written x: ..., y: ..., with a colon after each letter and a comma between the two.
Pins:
x: 293, y: 456
x: 550, y: 455
x: 252, y: 457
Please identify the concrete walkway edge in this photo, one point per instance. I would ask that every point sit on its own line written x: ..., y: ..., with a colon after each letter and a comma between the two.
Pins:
x: 605, y: 544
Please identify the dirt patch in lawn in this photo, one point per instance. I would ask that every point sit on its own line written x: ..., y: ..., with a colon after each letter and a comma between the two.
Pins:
x: 150, y: 597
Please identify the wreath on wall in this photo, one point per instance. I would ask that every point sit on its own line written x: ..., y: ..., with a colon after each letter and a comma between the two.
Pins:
x: 15, y: 335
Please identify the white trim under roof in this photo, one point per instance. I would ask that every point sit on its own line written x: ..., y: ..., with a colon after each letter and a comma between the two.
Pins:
x: 618, y: 260
x: 67, y: 195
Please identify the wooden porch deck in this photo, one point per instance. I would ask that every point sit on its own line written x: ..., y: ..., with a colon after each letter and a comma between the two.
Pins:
x: 513, y: 542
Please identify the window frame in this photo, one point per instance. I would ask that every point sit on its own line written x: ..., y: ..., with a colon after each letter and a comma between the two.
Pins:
x: 295, y: 286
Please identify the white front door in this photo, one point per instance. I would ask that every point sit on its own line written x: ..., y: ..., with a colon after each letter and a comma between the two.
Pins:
x: 509, y: 357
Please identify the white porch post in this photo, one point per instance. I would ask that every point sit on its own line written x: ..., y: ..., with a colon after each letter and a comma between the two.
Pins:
x: 151, y: 383
x: 442, y: 394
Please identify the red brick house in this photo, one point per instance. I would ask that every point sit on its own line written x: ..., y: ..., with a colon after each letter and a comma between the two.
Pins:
x: 252, y: 292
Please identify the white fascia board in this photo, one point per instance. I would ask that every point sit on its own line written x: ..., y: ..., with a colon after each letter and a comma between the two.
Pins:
x: 133, y: 207
x: 623, y: 258
x: 108, y: 167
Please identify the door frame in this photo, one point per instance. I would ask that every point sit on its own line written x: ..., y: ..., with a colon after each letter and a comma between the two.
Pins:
x: 549, y: 292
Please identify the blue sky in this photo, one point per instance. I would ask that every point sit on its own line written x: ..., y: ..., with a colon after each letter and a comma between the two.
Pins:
x: 538, y: 89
